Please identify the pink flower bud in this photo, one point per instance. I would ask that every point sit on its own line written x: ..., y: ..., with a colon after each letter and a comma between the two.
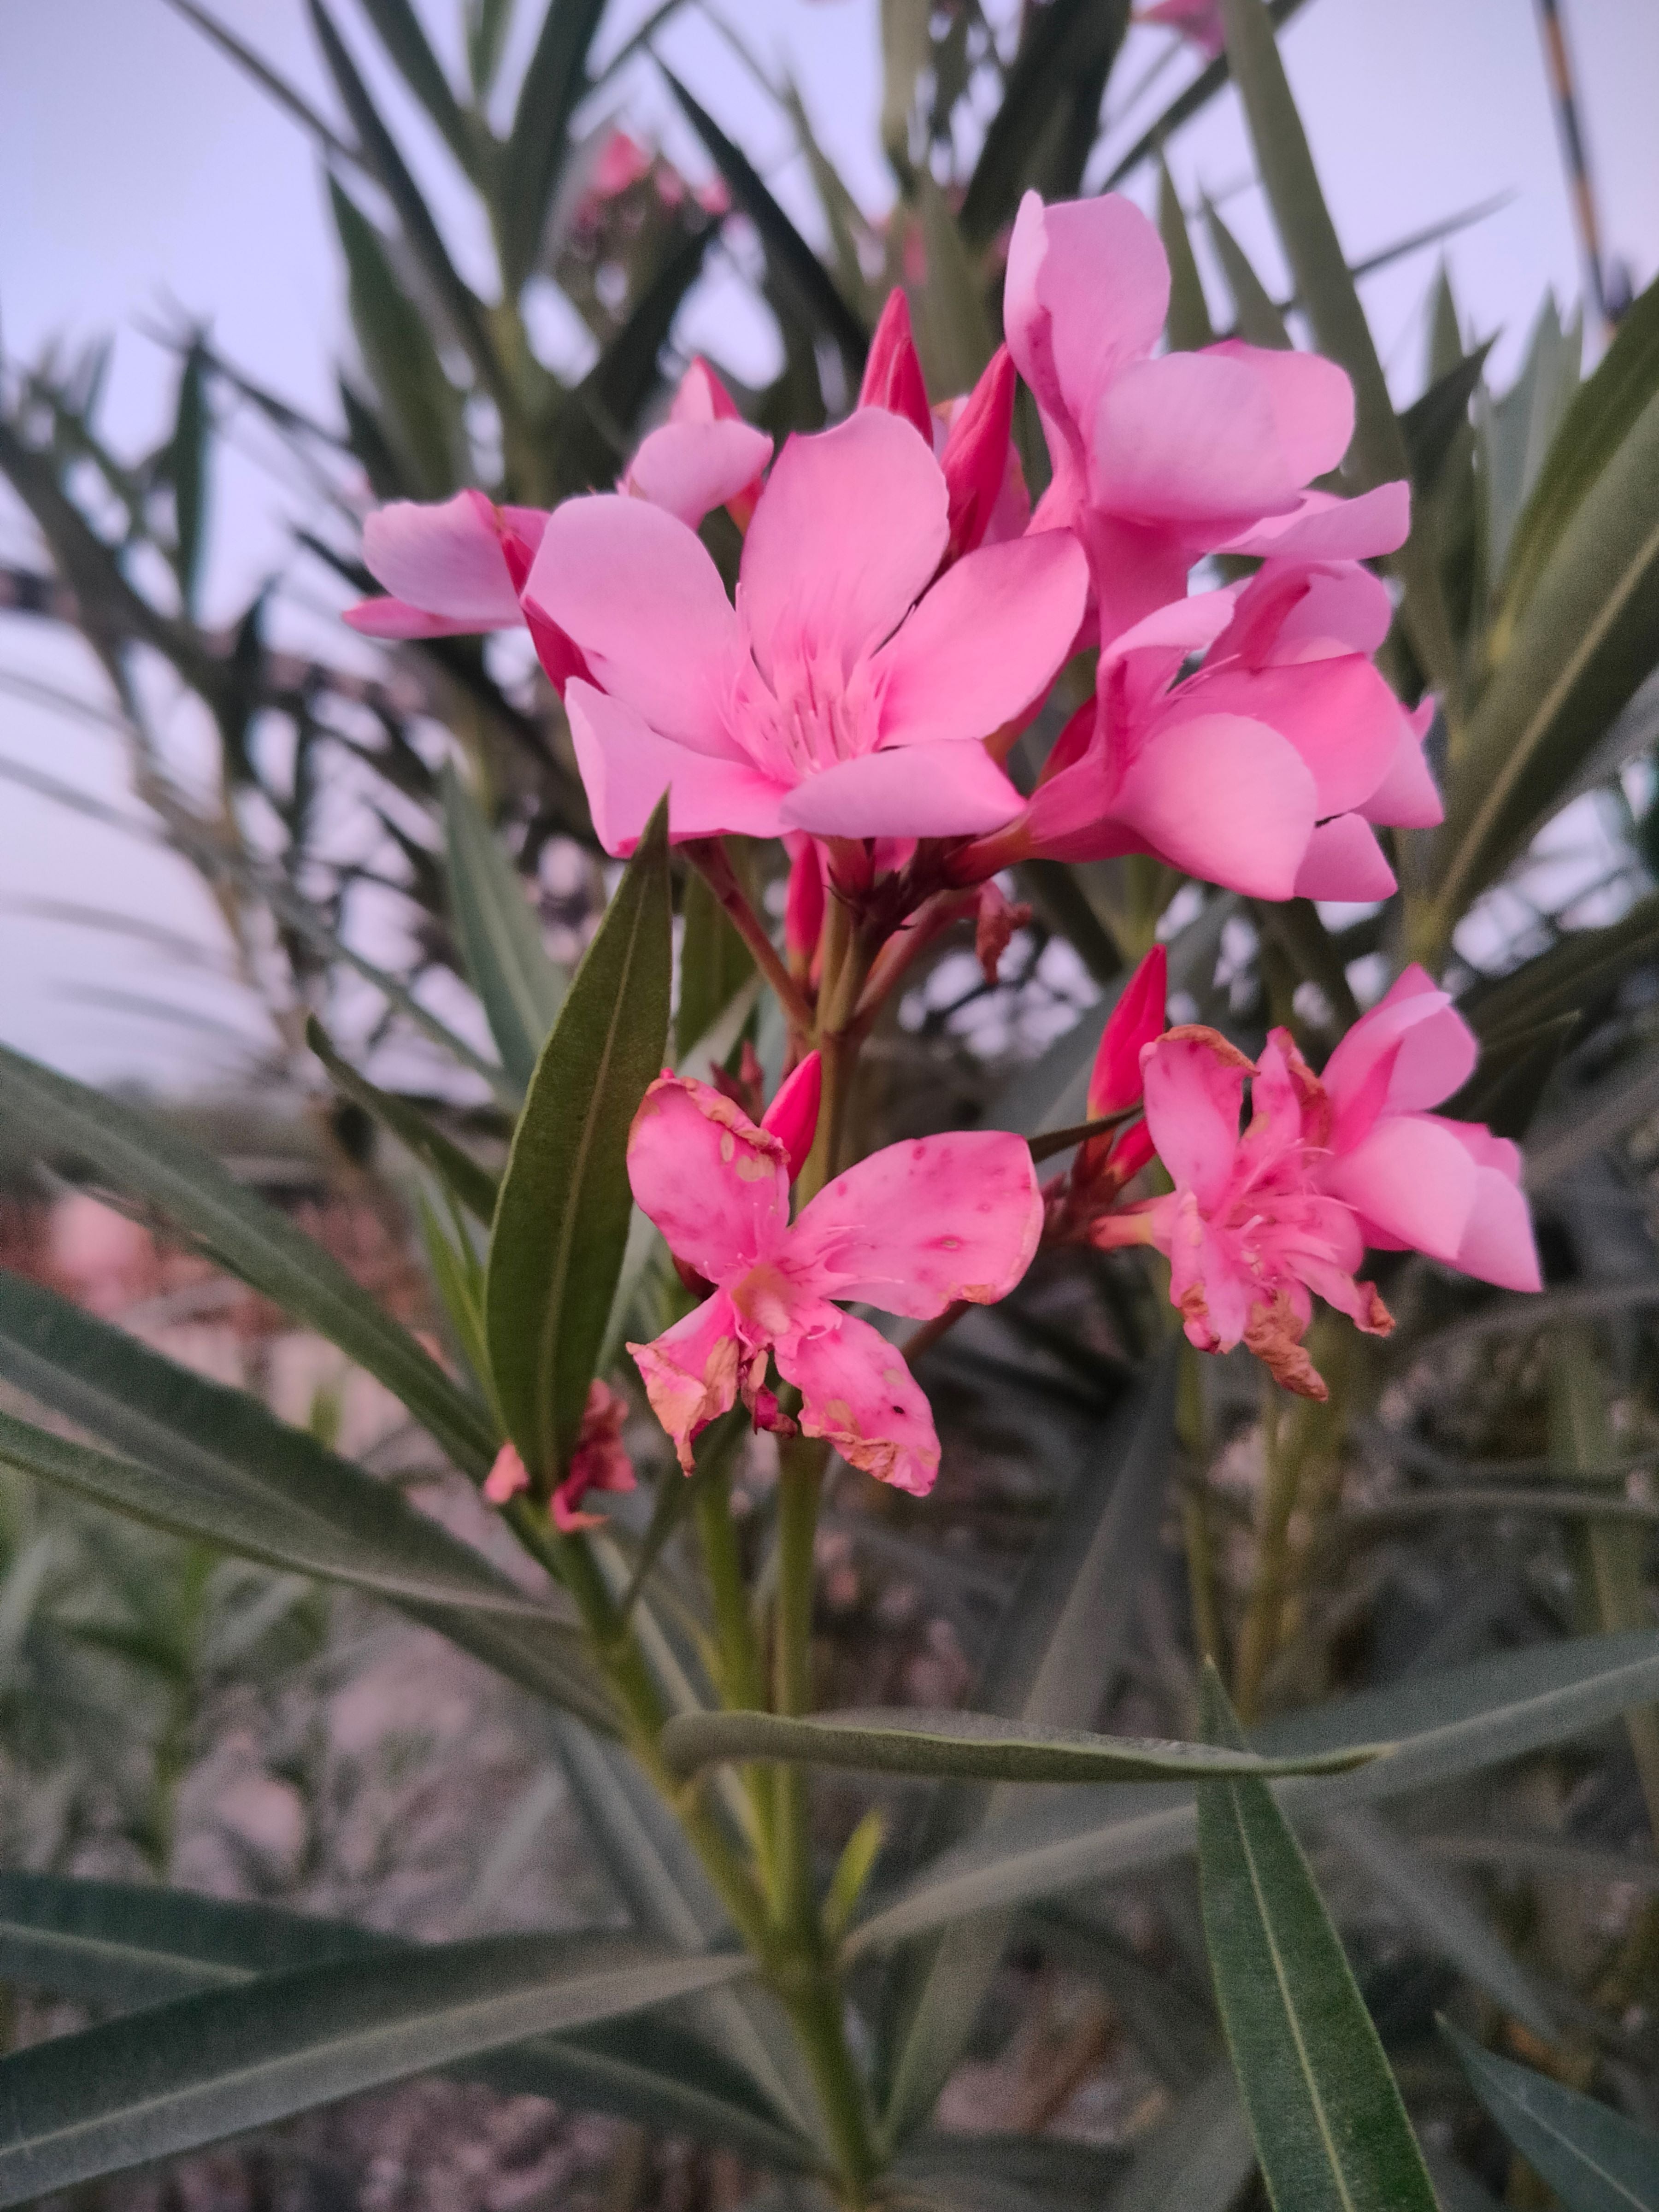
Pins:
x: 975, y: 456
x: 702, y: 398
x: 892, y: 372
x: 803, y: 909
x: 792, y: 1116
x: 1136, y: 1020
x: 507, y: 1478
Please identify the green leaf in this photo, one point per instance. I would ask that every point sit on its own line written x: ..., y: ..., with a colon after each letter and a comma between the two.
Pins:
x: 1329, y: 2128
x: 1189, y: 321
x: 591, y: 436
x: 714, y: 965
x: 398, y: 28
x: 966, y: 1747
x: 266, y: 78
x: 1593, y: 2158
x: 1583, y: 966
x: 1210, y: 80
x: 561, y: 1224
x: 1429, y: 425
x: 460, y: 1175
x: 794, y: 267
x: 487, y: 24
x: 1517, y: 431
x: 421, y: 406
x: 1037, y: 2170
x: 187, y: 468
x: 953, y: 332
x: 175, y: 2076
x: 116, y: 1946
x: 521, y: 987
x: 1064, y: 57
x: 534, y: 156
x: 1198, y: 2159
x: 144, y: 1159
x: 1259, y: 320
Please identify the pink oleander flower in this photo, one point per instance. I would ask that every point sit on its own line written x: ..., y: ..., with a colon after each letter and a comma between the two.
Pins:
x: 1196, y: 21
x: 1257, y: 1223
x: 598, y: 1463
x: 1263, y: 769
x: 912, y: 1229
x: 1158, y: 460
x: 847, y: 694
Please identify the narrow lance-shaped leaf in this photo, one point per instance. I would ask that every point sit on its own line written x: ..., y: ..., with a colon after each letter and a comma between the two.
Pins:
x: 187, y: 466
x: 466, y: 1181
x: 521, y: 986
x: 170, y: 2078
x: 1211, y: 79
x: 421, y: 407
x: 1593, y: 2158
x: 1060, y: 42
x: 561, y: 1224
x: 1329, y: 2128
x: 398, y: 28
x: 714, y: 965
x: 554, y: 84
x: 968, y: 1747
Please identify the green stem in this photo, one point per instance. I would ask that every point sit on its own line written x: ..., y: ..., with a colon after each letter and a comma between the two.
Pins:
x: 799, y: 1480
x: 743, y: 1674
x: 815, y: 2008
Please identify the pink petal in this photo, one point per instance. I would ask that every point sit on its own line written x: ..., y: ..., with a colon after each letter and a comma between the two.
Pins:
x: 914, y: 791
x: 716, y: 1186
x: 1408, y: 796
x: 1226, y: 799
x: 1342, y: 601
x: 857, y: 1391
x: 892, y: 372
x: 792, y: 1116
x: 691, y: 468
x: 985, y: 642
x: 1434, y: 1050
x: 1337, y: 712
x: 446, y: 558
x: 636, y: 592
x: 1344, y: 861
x: 1208, y: 1284
x: 506, y: 1477
x: 690, y: 1371
x: 700, y: 397
x: 804, y: 903
x: 1086, y: 292
x: 396, y: 618
x: 979, y: 455
x: 1312, y: 403
x: 1498, y: 1244
x: 1190, y: 439
x: 1136, y: 1021
x: 1195, y: 1090
x: 626, y: 768
x: 1322, y: 528
x: 920, y: 1224
x: 1412, y: 1181
x: 847, y: 533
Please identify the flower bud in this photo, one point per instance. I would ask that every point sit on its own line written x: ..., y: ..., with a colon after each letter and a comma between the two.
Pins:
x: 892, y: 372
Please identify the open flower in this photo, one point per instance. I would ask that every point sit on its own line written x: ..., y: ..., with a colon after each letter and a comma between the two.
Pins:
x: 911, y: 1229
x: 1157, y: 460
x: 847, y: 692
x: 1262, y: 769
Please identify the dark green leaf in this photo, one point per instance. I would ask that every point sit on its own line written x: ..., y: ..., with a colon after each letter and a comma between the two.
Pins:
x: 469, y: 1184
x: 398, y: 28
x: 187, y: 467
x: 421, y: 406
x: 1584, y: 967
x: 266, y: 78
x: 562, y: 1223
x: 1429, y: 425
x: 794, y: 267
x: 174, y: 2077
x: 536, y: 144
x: 1189, y: 321
x: 1593, y: 2158
x: 144, y: 1159
x: 521, y: 987
x: 1198, y: 2159
x: 1064, y: 57
x: 487, y: 23
x: 1259, y: 320
x: 591, y: 433
x: 1210, y: 80
x: 1330, y: 2130
x: 966, y: 1747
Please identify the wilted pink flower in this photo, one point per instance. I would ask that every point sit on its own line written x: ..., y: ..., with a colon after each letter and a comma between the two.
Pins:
x: 1417, y: 1180
x: 846, y: 692
x: 1259, y: 771
x: 1158, y: 460
x: 598, y: 1463
x: 911, y: 1228
x: 1200, y: 21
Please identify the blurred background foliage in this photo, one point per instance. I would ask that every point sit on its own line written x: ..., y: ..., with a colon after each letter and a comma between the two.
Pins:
x: 404, y: 872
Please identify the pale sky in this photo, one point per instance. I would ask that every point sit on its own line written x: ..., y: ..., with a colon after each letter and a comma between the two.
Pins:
x: 144, y: 178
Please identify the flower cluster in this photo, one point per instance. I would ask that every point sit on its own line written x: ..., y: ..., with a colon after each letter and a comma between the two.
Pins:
x: 902, y: 614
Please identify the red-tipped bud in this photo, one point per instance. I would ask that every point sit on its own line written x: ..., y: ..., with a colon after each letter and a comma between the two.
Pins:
x: 1137, y: 1018
x: 792, y: 1116
x: 803, y: 909
x: 892, y: 373
x: 702, y: 398
x: 977, y: 453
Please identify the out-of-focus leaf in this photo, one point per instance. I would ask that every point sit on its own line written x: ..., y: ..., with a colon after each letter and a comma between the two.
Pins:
x: 521, y: 987
x: 1198, y: 2159
x: 1259, y: 321
x: 1329, y: 2128
x: 554, y: 84
x: 398, y: 28
x: 423, y: 407
x: 1210, y: 80
x: 1327, y: 292
x: 1572, y: 976
x: 1593, y: 2158
x: 841, y: 211
x: 1188, y: 323
x: 906, y: 52
x: 714, y: 965
x: 1056, y: 81
x: 1507, y: 1086
x: 794, y: 267
x: 1432, y: 423
x: 1038, y: 2170
x: 267, y: 79
x: 1517, y: 430
x: 144, y: 1159
x: 458, y: 1278
x: 953, y: 331
x: 117, y: 1946
x: 562, y: 1223
x: 591, y: 436
x: 960, y: 1747
x: 470, y: 1185
x: 187, y: 467
x: 173, y: 2076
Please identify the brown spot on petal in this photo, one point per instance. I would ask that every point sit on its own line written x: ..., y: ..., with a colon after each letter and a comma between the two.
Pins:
x: 1379, y: 1321
x: 1224, y: 1049
x: 1274, y: 1334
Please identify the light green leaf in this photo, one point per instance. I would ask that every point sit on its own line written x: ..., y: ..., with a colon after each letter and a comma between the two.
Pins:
x: 953, y: 332
x: 1515, y: 432
x: 521, y: 987
x: 175, y: 2076
x: 460, y: 1175
x: 534, y: 156
x: 1330, y: 2130
x: 562, y: 1221
x: 966, y: 1747
x: 119, y: 1947
x: 144, y: 1159
x: 1593, y: 2158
